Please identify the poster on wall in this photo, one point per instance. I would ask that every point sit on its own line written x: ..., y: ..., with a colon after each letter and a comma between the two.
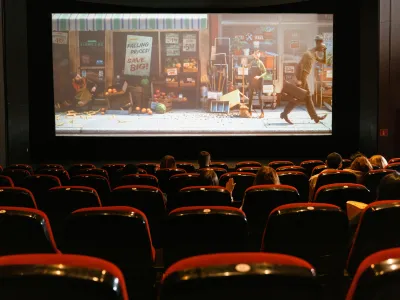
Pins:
x: 138, y: 55
x: 172, y: 38
x: 60, y: 38
x: 189, y: 42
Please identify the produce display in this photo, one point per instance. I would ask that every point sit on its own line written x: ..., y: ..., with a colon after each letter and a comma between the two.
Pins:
x: 162, y: 96
x: 172, y: 63
x: 111, y: 91
x: 161, y: 108
x: 190, y: 65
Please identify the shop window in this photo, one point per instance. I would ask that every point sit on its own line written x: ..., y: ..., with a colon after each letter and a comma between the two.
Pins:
x: 91, y: 48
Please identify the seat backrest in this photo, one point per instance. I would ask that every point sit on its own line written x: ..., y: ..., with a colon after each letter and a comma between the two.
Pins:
x: 291, y: 168
x: 218, y: 171
x: 253, y: 170
x: 339, y: 193
x: 204, y: 196
x: 272, y: 276
x: 372, y: 180
x: 17, y: 197
x: 149, y: 200
x: 63, y: 277
x: 150, y: 168
x: 346, y: 163
x: 138, y: 179
x: 180, y: 181
x: 49, y: 166
x: 163, y: 176
x: 25, y: 230
x: 21, y: 167
x: 377, y: 277
x: 318, y: 169
x: 199, y: 230
x: 394, y: 166
x: 378, y: 229
x: 62, y: 174
x: 243, y: 181
x: 92, y: 171
x: 334, y: 176
x: 309, y: 165
x: 243, y: 164
x: 112, y: 171
x: 98, y: 182
x: 298, y: 180
x: 118, y: 234
x: 219, y: 164
x: 40, y: 184
x: 280, y: 163
x: 17, y: 175
x: 6, y: 181
x: 188, y: 167
x: 315, y: 232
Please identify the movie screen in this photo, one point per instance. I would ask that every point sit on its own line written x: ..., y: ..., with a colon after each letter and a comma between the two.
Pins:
x: 192, y: 74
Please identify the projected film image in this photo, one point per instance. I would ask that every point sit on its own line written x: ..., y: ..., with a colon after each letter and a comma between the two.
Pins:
x: 192, y: 74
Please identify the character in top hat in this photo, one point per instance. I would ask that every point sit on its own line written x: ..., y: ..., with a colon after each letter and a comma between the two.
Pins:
x: 257, y: 72
x: 303, y: 70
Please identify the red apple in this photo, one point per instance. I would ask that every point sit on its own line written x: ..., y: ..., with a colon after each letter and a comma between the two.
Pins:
x: 157, y: 91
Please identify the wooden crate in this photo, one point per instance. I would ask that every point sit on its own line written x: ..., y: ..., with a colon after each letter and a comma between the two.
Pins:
x: 166, y: 102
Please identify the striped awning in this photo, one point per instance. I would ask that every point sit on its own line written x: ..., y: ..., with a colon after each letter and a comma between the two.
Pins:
x: 98, y: 22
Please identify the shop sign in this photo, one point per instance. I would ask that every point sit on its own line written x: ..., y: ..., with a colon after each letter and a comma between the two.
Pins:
x: 172, y: 72
x: 189, y: 43
x: 258, y: 37
x: 172, y: 38
x: 60, y: 38
x: 138, y: 55
x: 172, y: 50
x: 240, y: 37
x: 294, y: 44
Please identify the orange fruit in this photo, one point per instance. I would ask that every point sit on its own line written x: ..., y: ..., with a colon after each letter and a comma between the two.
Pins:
x: 137, y: 108
x: 110, y: 90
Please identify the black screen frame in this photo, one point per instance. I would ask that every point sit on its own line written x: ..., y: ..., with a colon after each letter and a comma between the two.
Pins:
x: 45, y: 145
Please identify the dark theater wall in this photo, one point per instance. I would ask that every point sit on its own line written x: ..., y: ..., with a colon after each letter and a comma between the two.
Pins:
x: 3, y: 146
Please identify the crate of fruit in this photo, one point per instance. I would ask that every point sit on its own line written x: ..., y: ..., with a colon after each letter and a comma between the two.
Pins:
x: 190, y: 65
x: 167, y: 102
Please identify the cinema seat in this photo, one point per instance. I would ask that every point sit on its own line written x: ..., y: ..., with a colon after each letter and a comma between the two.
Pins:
x: 16, y: 197
x: 346, y: 163
x: 142, y: 171
x: 199, y: 230
x: 372, y: 180
x: 291, y: 168
x: 298, y: 180
x: 17, y: 175
x: 163, y: 176
x: 21, y: 167
x: 62, y: 174
x: 243, y: 164
x: 99, y: 183
x: 394, y: 160
x: 112, y: 172
x: 40, y: 184
x: 49, y: 166
x: 280, y: 163
x: 60, y: 202
x: 259, y: 201
x: 315, y: 232
x: 138, y: 179
x: 239, y: 276
x: 243, y: 181
x: 309, y: 165
x: 61, y: 277
x: 150, y: 168
x: 1, y: 169
x: 94, y: 171
x: 147, y: 199
x: 204, y: 196
x: 76, y: 167
x: 339, y: 193
x: 253, y: 170
x: 188, y: 167
x: 334, y: 176
x: 318, y: 169
x: 25, y: 230
x: 218, y: 171
x: 119, y: 235
x: 6, y: 181
x: 394, y: 166
x: 377, y: 277
x: 378, y: 229
x: 219, y: 164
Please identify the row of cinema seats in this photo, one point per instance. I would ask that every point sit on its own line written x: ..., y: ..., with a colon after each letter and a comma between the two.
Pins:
x: 245, y: 276
x: 217, y: 276
x: 317, y: 233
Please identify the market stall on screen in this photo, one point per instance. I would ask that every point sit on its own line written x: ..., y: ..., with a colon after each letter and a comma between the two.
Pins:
x: 192, y: 74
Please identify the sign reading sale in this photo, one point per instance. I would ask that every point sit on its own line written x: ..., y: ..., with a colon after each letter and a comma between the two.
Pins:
x: 138, y: 55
